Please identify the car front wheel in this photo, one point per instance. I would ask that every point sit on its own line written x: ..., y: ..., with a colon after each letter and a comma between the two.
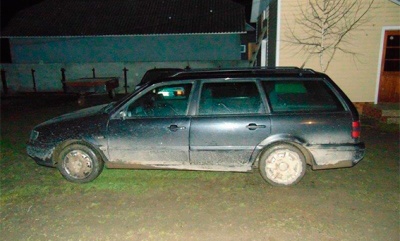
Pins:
x: 79, y: 163
x: 282, y: 165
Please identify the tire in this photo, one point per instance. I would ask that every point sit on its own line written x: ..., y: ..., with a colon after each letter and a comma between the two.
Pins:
x: 282, y: 165
x: 79, y: 163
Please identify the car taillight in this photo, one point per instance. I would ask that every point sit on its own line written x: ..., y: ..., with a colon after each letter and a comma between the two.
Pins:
x: 355, y: 130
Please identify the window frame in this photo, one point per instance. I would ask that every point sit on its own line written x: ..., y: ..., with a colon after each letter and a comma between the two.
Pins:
x: 260, y: 89
x: 139, y: 95
x: 329, y: 87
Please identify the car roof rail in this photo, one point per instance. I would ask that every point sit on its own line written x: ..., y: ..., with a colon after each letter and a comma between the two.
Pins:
x: 291, y: 69
x: 190, y: 72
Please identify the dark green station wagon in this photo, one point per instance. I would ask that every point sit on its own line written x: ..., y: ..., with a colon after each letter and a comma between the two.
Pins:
x: 276, y: 120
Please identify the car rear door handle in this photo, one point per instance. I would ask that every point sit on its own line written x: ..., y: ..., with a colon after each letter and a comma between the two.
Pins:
x: 254, y: 126
x: 176, y: 128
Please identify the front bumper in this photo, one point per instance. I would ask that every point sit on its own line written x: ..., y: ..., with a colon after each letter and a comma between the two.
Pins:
x: 41, y: 153
x: 336, y: 156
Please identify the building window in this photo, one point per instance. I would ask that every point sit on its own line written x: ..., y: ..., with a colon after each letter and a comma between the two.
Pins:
x: 392, y: 57
x: 243, y: 49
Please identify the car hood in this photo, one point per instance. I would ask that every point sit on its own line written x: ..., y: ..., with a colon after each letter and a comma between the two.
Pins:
x: 75, y: 115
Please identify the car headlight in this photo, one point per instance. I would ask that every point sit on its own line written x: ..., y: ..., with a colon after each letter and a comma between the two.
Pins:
x: 34, y: 135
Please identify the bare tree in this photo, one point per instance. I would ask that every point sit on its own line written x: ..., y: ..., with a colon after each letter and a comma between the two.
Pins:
x: 324, y: 27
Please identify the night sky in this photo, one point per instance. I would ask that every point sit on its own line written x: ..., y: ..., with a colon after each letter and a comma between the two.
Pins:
x: 10, y: 7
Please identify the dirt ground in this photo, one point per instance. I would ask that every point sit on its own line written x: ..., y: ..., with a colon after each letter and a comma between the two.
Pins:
x: 359, y: 203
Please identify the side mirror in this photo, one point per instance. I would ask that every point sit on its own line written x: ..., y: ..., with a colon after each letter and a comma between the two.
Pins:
x: 122, y: 115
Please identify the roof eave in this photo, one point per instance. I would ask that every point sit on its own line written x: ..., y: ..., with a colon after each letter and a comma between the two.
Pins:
x: 127, y: 35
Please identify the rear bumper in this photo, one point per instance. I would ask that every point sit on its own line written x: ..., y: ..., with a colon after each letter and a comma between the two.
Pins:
x: 336, y: 156
x: 41, y: 153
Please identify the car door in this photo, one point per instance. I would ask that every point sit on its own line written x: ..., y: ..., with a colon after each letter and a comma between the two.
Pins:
x: 231, y: 121
x: 153, y: 128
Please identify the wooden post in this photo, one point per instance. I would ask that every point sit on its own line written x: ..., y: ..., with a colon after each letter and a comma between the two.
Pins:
x: 4, y: 81
x: 126, y: 80
x: 33, y: 80
x: 63, y: 79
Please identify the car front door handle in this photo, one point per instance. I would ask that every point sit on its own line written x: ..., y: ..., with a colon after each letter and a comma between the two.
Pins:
x: 176, y: 128
x: 254, y: 126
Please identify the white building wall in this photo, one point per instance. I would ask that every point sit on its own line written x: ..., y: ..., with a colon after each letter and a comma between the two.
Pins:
x: 356, y: 76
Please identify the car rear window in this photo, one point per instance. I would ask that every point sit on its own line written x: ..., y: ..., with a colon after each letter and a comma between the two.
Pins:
x: 308, y: 95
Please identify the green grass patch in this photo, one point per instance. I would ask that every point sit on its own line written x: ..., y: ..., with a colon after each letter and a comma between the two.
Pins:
x: 389, y: 127
x: 22, y: 179
x: 140, y: 181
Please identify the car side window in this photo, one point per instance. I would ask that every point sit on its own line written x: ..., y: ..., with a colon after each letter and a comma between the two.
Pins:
x: 309, y: 95
x: 165, y: 101
x: 230, y: 98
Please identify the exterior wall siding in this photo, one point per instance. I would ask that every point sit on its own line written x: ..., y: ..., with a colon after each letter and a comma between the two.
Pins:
x: 125, y: 49
x: 48, y: 76
x: 356, y: 76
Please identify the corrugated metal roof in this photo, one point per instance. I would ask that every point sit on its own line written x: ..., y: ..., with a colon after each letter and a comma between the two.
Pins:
x: 127, y: 17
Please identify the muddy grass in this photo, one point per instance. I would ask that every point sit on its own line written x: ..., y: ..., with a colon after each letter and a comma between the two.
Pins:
x: 359, y: 203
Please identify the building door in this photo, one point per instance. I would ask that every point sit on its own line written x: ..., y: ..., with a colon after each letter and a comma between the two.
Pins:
x: 389, y: 87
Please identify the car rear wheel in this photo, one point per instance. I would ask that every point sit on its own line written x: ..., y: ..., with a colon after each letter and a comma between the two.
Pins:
x: 282, y: 165
x: 79, y: 163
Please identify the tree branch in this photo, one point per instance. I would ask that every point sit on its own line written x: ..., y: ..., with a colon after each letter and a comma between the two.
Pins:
x: 325, y: 25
